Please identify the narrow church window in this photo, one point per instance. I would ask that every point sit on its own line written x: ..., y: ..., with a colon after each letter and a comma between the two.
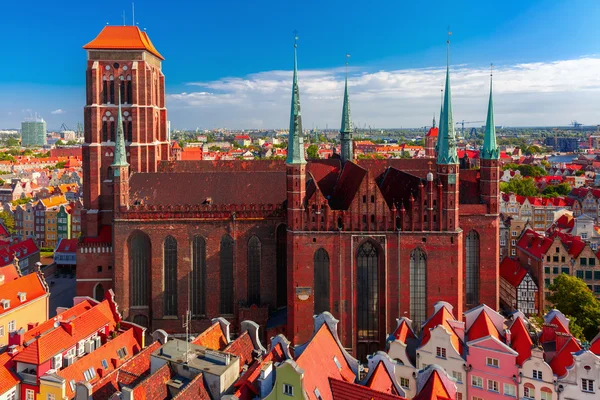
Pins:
x: 321, y: 284
x: 104, y: 90
x: 281, y: 259
x: 112, y: 129
x: 367, y: 288
x: 254, y: 255
x: 129, y: 97
x: 372, y: 199
x: 170, y: 276
x: 112, y: 89
x: 372, y: 218
x: 418, y: 286
x: 139, y: 267
x: 472, y: 278
x: 122, y: 88
x: 364, y: 199
x: 104, y: 130
x: 226, y: 260
x: 198, y: 284
x: 129, y: 130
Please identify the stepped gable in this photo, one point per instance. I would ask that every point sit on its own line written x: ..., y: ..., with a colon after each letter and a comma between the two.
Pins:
x: 470, y: 188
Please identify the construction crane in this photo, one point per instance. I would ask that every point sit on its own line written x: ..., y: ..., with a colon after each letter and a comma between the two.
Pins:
x: 462, y: 124
x: 576, y: 124
x: 64, y: 127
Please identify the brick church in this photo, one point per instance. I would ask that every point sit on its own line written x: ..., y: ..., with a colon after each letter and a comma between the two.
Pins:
x: 273, y: 241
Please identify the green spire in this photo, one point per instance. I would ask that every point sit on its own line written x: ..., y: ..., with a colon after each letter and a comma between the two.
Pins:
x: 346, y: 129
x: 446, y: 137
x: 295, y: 151
x: 490, y: 148
x: 120, y: 159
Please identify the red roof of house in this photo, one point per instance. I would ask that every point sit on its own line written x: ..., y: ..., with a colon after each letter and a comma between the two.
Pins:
x: 104, y: 236
x: 433, y: 132
x: 67, y: 246
x: 107, y: 353
x: 520, y: 340
x: 441, y: 317
x: 241, y: 347
x: 20, y: 250
x: 403, y: 332
x: 122, y: 38
x: 434, y: 389
x: 483, y: 327
x: 595, y: 345
x: 175, y: 145
x: 381, y: 380
x: 564, y: 357
x: 317, y: 361
x: 573, y: 244
x: 59, y: 339
x: 212, y: 338
x: 9, y: 272
x: 247, y: 386
x: 512, y: 271
x: 3, y: 230
x: 534, y: 243
x: 341, y: 390
x: 30, y: 284
x: 474, y: 154
x: 8, y: 379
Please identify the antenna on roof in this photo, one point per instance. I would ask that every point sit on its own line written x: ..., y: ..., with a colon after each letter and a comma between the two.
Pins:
x: 123, y: 17
x: 133, y: 13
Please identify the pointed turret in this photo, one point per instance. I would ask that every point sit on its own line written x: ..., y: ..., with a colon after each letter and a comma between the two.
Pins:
x: 120, y: 159
x: 346, y: 129
x: 295, y: 151
x: 447, y: 139
x: 490, y: 147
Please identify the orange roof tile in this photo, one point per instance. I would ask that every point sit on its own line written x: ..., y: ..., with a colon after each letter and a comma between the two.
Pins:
x: 54, y: 201
x: 441, y: 317
x: 318, y: 364
x: 483, y: 327
x: 243, y: 348
x: 434, y: 389
x: 341, y: 390
x: 9, y: 272
x: 381, y: 380
x: 123, y: 38
x: 59, y: 339
x: 403, y: 332
x: 30, y: 284
x: 106, y: 352
x: 8, y: 379
x: 65, y: 315
x: 212, y: 338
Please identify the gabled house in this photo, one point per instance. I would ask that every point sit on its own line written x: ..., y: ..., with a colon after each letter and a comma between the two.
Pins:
x: 518, y: 290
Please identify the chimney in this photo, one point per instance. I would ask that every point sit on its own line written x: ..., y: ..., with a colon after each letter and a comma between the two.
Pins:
x: 265, y: 379
x: 68, y: 326
x: 561, y: 340
x: 16, y: 338
x: 83, y: 391
x: 13, y: 349
x: 32, y: 325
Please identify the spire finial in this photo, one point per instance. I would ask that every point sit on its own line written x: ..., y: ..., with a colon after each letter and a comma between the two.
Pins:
x: 296, y: 136
x: 448, y: 48
x: 490, y: 147
x: 346, y: 128
x: 446, y: 144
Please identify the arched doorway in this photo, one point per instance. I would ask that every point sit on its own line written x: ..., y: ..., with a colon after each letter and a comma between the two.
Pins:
x: 368, y: 310
x: 99, y: 292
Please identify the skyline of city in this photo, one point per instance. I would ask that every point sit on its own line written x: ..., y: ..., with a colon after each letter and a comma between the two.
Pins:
x: 544, y: 76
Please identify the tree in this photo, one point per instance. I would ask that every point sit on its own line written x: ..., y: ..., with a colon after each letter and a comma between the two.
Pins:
x: 12, y: 142
x: 520, y: 186
x: 59, y: 143
x: 562, y: 189
x: 312, y: 152
x: 72, y: 143
x: 23, y: 200
x: 573, y: 298
x: 405, y: 154
x: 579, y: 173
x: 8, y: 220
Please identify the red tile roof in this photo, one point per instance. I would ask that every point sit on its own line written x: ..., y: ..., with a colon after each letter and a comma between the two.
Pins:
x: 20, y: 250
x: 8, y: 379
x: 381, y: 380
x: 317, y: 361
x: 534, y: 243
x: 107, y: 353
x: 403, y: 332
x: 433, y: 132
x: 59, y: 339
x: 247, y: 386
x: 573, y: 244
x: 212, y: 338
x: 241, y: 347
x: 564, y: 357
x: 434, y: 389
x: 67, y: 245
x: 341, y: 390
x: 482, y: 327
x: 520, y: 340
x: 30, y: 284
x: 512, y: 271
x: 441, y: 317
x: 66, y: 315
x: 9, y: 272
x: 123, y: 38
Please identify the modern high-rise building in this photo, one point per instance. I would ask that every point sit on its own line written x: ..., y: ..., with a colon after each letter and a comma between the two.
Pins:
x: 33, y: 132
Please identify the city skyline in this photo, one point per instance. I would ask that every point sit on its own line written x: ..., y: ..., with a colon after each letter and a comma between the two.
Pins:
x: 395, y: 76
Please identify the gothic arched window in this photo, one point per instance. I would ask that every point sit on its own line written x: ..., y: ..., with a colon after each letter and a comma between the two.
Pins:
x: 198, y: 283
x: 418, y: 286
x: 170, y: 276
x: 139, y: 267
x: 254, y: 254
x: 321, y: 276
x: 472, y: 273
x: 226, y: 260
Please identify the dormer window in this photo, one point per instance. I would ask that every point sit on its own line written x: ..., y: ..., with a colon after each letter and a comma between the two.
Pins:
x: 22, y: 296
x: 5, y: 304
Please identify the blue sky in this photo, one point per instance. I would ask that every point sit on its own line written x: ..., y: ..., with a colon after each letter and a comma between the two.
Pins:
x: 219, y: 55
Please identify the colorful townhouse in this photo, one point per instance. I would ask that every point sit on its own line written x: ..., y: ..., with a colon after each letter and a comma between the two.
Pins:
x: 24, y: 303
x: 52, y: 208
x: 518, y: 290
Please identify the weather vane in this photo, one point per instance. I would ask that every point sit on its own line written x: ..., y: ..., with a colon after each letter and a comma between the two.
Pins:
x: 295, y: 38
x: 491, y: 69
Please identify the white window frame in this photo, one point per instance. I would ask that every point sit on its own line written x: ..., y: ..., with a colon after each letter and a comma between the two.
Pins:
x: 404, y: 382
x: 288, y: 389
x: 493, y: 386
x: 12, y: 326
x: 440, y: 352
x: 477, y: 381
x: 457, y: 375
x: 587, y: 385
x: 29, y: 394
x: 509, y: 390
x: 492, y: 362
x: 537, y: 374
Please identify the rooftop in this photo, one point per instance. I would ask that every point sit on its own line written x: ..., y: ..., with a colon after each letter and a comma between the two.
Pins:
x: 122, y: 38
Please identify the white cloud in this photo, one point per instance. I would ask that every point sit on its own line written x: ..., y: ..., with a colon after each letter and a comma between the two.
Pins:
x: 541, y: 93
x: 58, y: 111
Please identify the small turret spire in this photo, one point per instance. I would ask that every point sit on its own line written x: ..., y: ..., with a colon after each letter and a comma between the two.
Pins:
x: 433, y: 124
x: 446, y: 138
x: 295, y: 153
x: 346, y: 129
x: 490, y: 147
x: 120, y: 152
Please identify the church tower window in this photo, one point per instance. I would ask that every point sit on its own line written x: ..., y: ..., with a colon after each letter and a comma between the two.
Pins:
x: 321, y: 280
x: 472, y: 261
x: 418, y: 286
x: 198, y: 284
x: 170, y: 276
x: 254, y: 258
x: 139, y: 267
x: 226, y: 260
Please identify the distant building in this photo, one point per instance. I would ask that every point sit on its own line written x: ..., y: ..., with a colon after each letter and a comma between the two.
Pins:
x: 33, y: 133
x: 565, y: 144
